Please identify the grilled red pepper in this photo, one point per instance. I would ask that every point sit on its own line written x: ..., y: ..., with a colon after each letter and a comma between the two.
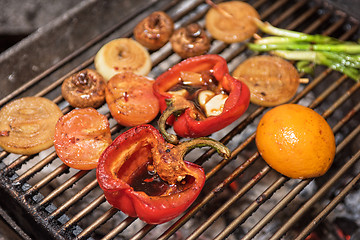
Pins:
x: 146, y: 177
x: 187, y: 122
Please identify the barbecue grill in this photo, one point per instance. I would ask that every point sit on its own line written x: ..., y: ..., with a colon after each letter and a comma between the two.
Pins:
x: 243, y: 198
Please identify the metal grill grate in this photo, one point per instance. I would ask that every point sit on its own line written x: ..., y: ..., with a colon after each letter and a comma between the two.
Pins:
x: 243, y: 197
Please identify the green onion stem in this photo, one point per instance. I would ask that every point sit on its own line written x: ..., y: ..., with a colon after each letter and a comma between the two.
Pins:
x: 343, y: 48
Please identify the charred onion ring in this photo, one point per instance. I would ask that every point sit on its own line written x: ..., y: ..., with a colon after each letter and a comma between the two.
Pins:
x: 28, y: 125
x: 231, y: 21
x: 122, y: 54
x: 154, y: 31
x: 190, y: 41
x: 84, y: 89
x: 271, y: 80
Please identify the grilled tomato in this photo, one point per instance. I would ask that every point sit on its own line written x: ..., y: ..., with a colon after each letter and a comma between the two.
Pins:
x: 130, y: 99
x: 81, y: 136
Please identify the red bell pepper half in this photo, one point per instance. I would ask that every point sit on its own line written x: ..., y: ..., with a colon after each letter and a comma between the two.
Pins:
x: 146, y: 177
x: 186, y: 123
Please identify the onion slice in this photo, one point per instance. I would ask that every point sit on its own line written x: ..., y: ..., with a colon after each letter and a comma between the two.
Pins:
x: 122, y: 54
x: 30, y: 125
x: 231, y: 21
x: 271, y: 80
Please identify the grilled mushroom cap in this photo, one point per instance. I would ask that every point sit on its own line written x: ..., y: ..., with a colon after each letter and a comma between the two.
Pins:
x: 84, y: 89
x: 190, y: 41
x: 154, y: 31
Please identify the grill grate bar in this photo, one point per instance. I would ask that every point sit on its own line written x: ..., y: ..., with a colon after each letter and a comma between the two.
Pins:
x: 322, y: 190
x: 111, y: 212
x: 290, y: 11
x: 309, y: 29
x: 310, y: 12
x: 343, y: 98
x: 120, y: 227
x: 74, y: 199
x: 327, y: 113
x: 330, y: 206
x: 72, y: 180
x: 285, y: 201
x: 142, y: 232
x: 209, y: 222
x: 36, y: 168
x: 328, y: 91
x: 94, y: 204
x: 17, y: 163
x: 281, y: 205
x: 272, y: 8
x: 57, y: 172
x: 335, y: 26
x: 237, y: 196
x: 347, y: 117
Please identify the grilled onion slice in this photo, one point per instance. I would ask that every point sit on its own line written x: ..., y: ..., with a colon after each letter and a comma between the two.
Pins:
x: 231, y: 21
x: 122, y: 54
x: 27, y: 125
x: 271, y: 80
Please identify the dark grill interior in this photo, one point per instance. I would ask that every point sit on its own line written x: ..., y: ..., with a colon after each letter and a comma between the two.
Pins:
x: 243, y: 197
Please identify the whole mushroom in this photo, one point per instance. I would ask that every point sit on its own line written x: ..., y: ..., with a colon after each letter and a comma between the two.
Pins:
x: 190, y: 41
x: 154, y: 31
x: 84, y: 89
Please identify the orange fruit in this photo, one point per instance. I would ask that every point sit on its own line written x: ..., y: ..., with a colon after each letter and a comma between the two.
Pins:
x: 296, y: 141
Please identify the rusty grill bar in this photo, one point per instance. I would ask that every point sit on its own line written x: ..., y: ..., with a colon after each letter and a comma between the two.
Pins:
x: 62, y: 203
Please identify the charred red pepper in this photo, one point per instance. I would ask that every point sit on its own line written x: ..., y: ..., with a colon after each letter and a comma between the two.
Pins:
x: 187, y: 122
x: 146, y: 177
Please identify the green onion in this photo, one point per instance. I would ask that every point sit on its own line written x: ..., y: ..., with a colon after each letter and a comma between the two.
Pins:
x: 342, y: 56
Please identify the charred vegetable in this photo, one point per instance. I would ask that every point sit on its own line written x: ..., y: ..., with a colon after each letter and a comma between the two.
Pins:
x: 154, y: 31
x: 190, y: 41
x: 27, y: 125
x: 84, y: 89
x: 342, y: 56
x: 177, y: 88
x: 146, y: 177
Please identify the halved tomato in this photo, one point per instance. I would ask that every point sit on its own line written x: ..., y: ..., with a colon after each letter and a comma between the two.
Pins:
x: 130, y: 99
x: 81, y: 136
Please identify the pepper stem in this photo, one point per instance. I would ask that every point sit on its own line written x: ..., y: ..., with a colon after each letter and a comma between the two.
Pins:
x: 176, y: 105
x: 186, y: 146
